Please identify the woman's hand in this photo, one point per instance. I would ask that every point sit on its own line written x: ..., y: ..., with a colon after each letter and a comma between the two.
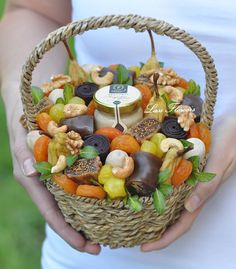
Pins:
x: 26, y: 175
x: 222, y: 161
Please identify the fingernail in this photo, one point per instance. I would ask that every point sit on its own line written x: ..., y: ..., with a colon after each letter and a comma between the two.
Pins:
x: 192, y: 203
x: 146, y: 248
x: 28, y: 168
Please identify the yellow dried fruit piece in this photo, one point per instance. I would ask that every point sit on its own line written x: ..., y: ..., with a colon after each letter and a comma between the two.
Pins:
x: 57, y: 147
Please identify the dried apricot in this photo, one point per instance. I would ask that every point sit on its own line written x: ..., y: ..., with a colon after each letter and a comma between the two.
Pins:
x: 205, y: 135
x: 126, y: 143
x: 65, y: 183
x: 41, y: 148
x: 182, y: 83
x: 146, y: 94
x: 91, y: 108
x: 201, y: 131
x: 194, y: 131
x: 109, y: 132
x: 42, y: 120
x: 181, y: 172
x: 91, y: 191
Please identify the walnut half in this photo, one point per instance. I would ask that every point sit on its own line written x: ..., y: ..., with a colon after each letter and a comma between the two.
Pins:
x: 185, y: 116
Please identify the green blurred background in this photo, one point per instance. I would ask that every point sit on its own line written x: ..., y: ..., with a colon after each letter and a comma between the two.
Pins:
x: 21, y: 226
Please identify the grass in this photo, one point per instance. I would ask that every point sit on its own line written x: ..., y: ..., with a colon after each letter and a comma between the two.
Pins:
x: 21, y: 226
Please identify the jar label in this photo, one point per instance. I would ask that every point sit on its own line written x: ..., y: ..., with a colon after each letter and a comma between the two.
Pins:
x: 118, y: 88
x: 126, y: 94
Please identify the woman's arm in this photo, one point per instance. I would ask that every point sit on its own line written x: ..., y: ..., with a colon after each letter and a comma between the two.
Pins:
x: 23, y: 26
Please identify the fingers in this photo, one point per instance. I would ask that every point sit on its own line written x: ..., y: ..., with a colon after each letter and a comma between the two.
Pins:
x: 53, y: 216
x: 218, y: 164
x: 175, y: 231
x: 23, y: 155
x: 56, y: 221
x: 23, y: 168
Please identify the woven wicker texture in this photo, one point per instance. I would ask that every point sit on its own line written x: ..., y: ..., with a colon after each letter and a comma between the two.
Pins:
x: 113, y: 223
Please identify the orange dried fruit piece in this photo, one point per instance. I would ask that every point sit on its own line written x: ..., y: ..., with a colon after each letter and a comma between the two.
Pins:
x: 126, y: 143
x: 182, y: 83
x: 91, y: 108
x: 205, y: 135
x: 41, y: 149
x: 42, y: 120
x: 181, y: 172
x: 201, y: 131
x: 65, y: 183
x: 193, y: 131
x: 146, y: 94
x: 109, y: 132
x: 91, y: 191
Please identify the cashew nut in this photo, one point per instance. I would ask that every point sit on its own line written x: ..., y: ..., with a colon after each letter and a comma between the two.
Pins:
x: 73, y: 110
x: 102, y: 81
x: 88, y: 68
x: 168, y: 143
x: 126, y: 170
x: 60, y: 165
x: 175, y: 94
x: 116, y: 158
x: 198, y: 149
x: 54, y: 129
x: 31, y: 138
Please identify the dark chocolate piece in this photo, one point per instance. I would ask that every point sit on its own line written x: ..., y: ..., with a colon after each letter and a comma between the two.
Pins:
x: 143, y: 181
x: 84, y: 125
x: 100, y: 142
x: 83, y: 170
x: 145, y: 129
x: 86, y: 91
x: 195, y: 102
x: 171, y: 128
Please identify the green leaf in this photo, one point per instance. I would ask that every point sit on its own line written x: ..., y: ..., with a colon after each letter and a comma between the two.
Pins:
x: 198, y: 90
x: 68, y: 92
x: 125, y: 200
x: 192, y: 180
x: 186, y: 143
x: 161, y: 64
x: 204, y: 176
x: 171, y: 105
x: 192, y: 85
x: 122, y: 74
x: 37, y: 94
x: 163, y: 175
x: 95, y: 182
x: 43, y: 167
x: 70, y: 160
x: 195, y: 160
x: 88, y: 152
x: 134, y: 203
x: 193, y: 88
x: 166, y: 189
x: 108, y: 199
x: 44, y: 177
x: 130, y: 81
x: 60, y: 101
x: 141, y: 64
x: 159, y: 201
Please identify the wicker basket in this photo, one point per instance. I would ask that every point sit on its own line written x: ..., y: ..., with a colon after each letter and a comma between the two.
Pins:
x: 112, y: 223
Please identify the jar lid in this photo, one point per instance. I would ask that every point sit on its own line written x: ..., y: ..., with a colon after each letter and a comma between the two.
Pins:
x: 128, y: 96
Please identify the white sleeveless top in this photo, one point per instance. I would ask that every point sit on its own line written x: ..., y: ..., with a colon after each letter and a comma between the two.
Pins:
x: 211, y: 243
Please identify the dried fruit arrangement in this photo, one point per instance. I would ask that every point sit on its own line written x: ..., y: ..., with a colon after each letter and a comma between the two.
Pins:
x: 120, y: 133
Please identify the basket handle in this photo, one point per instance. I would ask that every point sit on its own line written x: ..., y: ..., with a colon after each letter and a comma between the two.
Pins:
x: 139, y: 24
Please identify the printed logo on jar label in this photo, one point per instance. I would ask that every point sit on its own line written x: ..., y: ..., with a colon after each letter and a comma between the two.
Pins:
x: 118, y: 88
